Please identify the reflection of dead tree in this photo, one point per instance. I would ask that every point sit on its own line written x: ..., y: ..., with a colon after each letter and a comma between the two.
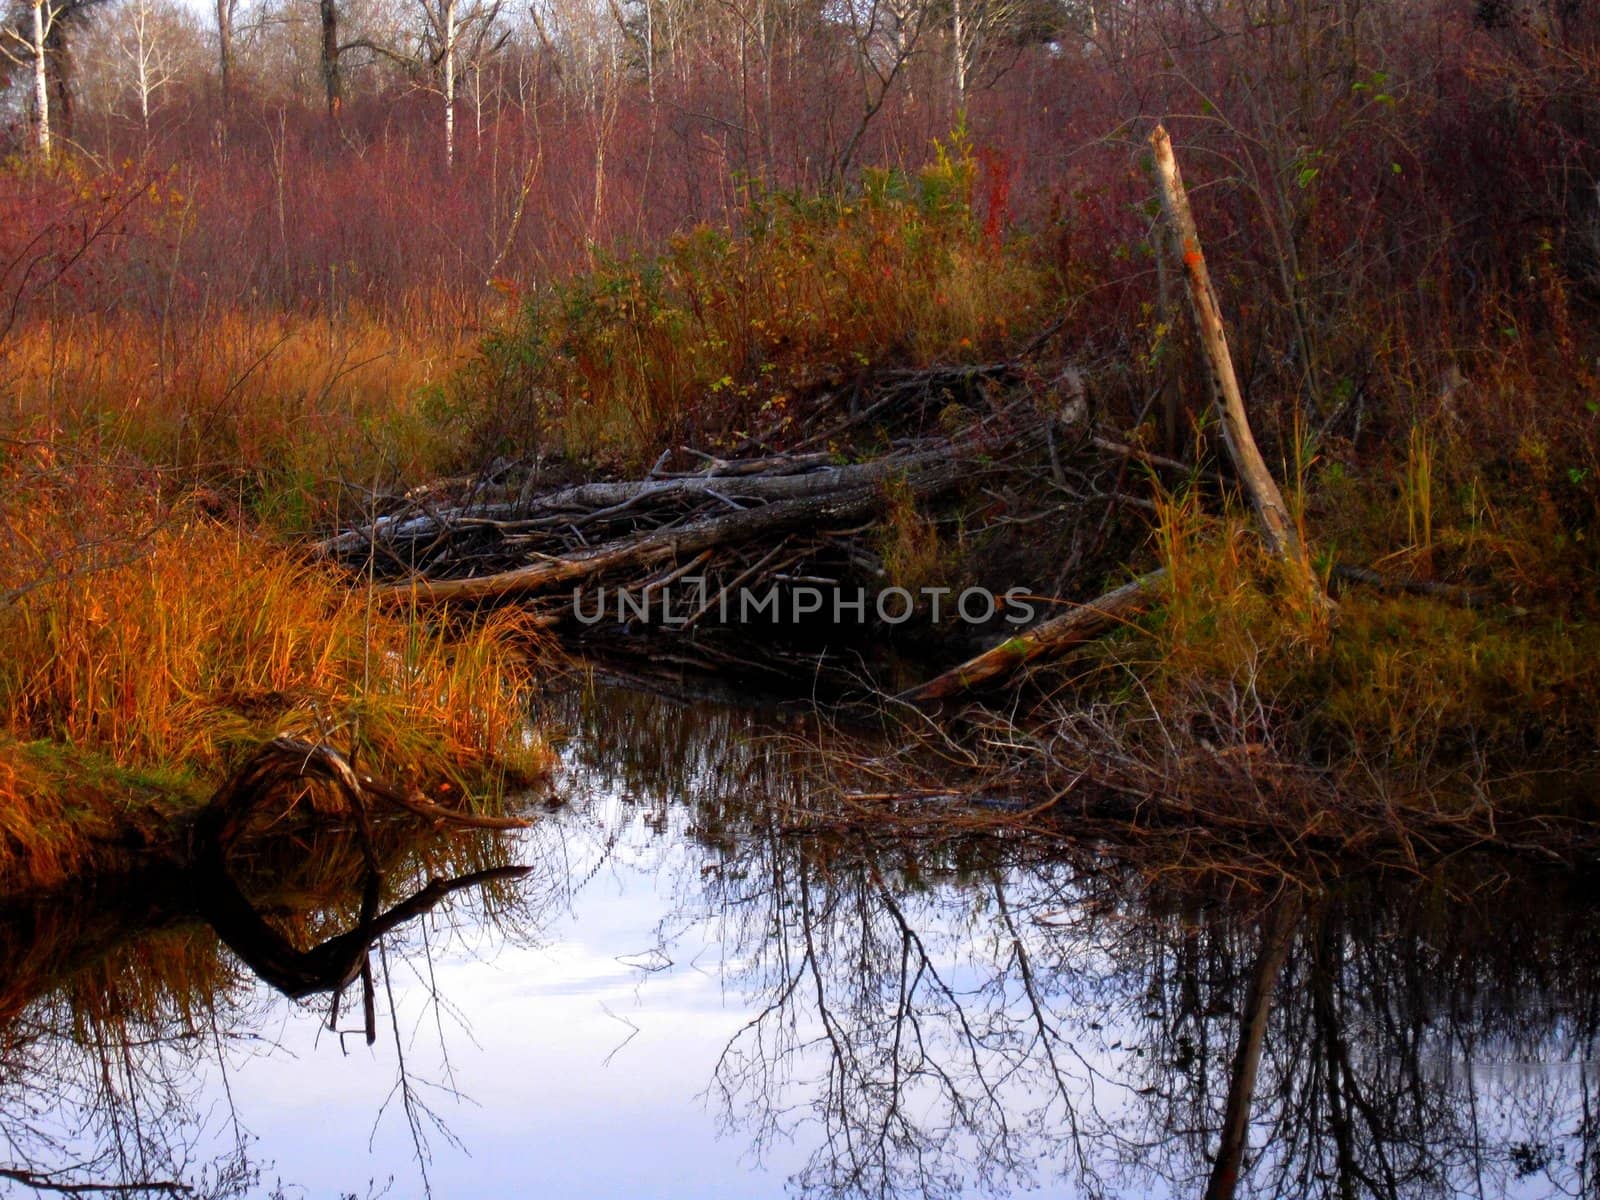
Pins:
x: 103, y: 1044
x: 335, y: 963
x: 286, y: 767
x: 1247, y: 1058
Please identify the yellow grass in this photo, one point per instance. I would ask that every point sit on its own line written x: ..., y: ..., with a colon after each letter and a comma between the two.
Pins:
x: 277, y: 411
x: 153, y: 639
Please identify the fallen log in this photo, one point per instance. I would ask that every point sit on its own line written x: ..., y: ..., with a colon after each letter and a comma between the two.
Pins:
x: 585, y: 501
x: 1051, y: 637
x: 729, y: 483
x: 652, y: 547
x: 726, y: 513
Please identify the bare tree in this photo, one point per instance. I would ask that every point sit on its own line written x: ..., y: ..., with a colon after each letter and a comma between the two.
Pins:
x: 459, y: 34
x: 885, y: 35
x: 147, y: 53
x: 28, y: 46
x: 225, y: 14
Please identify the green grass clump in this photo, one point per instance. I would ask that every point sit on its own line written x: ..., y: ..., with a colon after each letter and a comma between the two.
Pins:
x: 1413, y: 695
x: 729, y: 328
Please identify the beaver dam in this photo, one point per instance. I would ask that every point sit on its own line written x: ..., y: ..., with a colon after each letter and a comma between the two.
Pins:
x: 774, y: 551
x: 964, y: 570
x: 795, y: 743
x: 1044, y: 609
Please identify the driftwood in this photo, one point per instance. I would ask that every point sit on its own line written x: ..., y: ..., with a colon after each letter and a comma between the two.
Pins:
x: 837, y: 496
x: 1051, y: 637
x: 800, y: 518
x: 726, y: 484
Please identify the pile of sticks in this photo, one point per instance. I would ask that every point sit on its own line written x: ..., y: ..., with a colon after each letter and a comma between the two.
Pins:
x: 784, y: 518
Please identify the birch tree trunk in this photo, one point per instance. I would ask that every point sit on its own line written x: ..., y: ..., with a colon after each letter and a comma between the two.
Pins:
x: 60, y: 68
x: 143, y: 69
x: 449, y: 32
x: 41, y: 82
x: 958, y: 38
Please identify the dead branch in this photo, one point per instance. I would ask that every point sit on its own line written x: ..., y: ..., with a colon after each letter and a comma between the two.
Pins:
x: 50, y: 1183
x: 644, y: 549
x: 1052, y: 637
x: 766, y: 481
x: 687, y: 517
x: 1453, y: 593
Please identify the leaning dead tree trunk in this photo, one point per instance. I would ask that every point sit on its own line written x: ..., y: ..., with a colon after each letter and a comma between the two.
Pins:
x: 1277, y: 526
x: 1272, y: 512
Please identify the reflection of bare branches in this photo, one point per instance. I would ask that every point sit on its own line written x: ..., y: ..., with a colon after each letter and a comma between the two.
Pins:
x: 938, y: 1037
x: 54, y: 1182
x: 415, y: 1109
x: 955, y: 1014
x: 918, y: 1081
x: 942, y: 1007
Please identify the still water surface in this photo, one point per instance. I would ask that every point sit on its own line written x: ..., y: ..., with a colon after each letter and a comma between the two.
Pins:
x: 683, y: 998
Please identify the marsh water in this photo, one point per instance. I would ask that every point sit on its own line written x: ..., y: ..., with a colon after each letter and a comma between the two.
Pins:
x: 689, y: 993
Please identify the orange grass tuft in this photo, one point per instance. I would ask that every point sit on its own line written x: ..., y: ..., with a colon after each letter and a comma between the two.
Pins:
x: 160, y: 640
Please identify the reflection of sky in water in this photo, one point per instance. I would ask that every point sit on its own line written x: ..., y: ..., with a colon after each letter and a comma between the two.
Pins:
x: 579, y: 1074
x: 643, y: 1023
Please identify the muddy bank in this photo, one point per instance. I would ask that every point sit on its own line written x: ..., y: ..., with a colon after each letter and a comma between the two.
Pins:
x: 96, y: 827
